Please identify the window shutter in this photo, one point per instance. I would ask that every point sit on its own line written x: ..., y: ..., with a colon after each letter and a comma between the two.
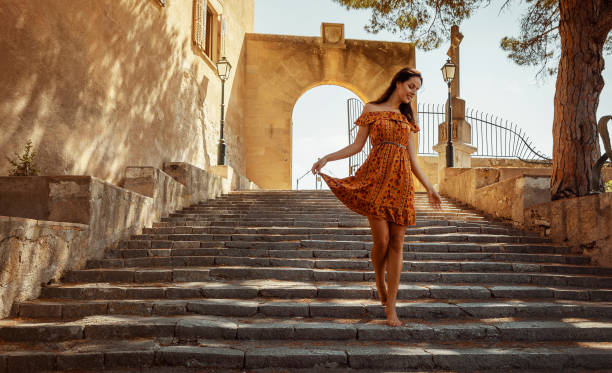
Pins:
x: 200, y: 24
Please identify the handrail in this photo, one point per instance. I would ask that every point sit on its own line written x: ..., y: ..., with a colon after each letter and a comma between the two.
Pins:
x: 500, y: 139
x: 318, y: 181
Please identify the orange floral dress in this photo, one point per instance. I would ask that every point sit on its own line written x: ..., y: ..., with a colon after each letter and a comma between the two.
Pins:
x: 382, y: 186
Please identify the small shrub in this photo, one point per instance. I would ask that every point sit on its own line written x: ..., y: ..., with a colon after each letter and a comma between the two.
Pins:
x: 609, y: 186
x: 24, y: 165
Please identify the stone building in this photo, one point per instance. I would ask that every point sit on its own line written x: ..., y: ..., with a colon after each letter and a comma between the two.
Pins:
x: 102, y: 85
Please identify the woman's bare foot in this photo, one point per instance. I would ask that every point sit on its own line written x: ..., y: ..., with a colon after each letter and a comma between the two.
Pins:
x: 392, y: 319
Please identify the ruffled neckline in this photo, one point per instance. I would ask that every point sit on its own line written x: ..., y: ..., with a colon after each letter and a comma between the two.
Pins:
x: 388, y: 114
x: 372, y: 116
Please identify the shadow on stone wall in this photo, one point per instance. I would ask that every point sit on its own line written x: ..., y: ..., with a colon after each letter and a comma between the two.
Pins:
x: 100, y: 85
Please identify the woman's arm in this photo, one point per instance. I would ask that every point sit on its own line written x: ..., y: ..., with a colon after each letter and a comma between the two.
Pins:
x: 434, y: 197
x: 347, y: 151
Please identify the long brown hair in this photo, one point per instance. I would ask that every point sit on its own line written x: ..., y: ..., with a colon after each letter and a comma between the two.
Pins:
x: 401, y: 76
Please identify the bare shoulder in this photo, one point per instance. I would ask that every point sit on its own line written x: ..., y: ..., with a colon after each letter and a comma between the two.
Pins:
x: 369, y: 107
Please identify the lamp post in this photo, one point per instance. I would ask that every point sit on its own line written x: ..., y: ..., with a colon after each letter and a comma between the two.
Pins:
x: 448, y: 73
x: 223, y: 70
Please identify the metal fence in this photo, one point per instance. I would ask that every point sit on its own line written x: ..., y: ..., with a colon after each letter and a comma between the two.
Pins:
x: 498, y: 138
x: 492, y: 136
x: 355, y: 107
x: 429, y: 117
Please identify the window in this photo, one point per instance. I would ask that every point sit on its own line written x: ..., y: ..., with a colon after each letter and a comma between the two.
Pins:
x: 207, y: 34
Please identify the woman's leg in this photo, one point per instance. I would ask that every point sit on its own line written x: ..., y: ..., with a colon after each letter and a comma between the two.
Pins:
x: 380, y: 238
x: 395, y: 262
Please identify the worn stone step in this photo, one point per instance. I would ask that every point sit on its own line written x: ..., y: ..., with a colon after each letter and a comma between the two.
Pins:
x: 433, y: 227
x: 112, y: 255
x: 303, y: 290
x: 425, y: 309
x: 439, y: 246
x: 355, y: 264
x: 330, y: 356
x: 216, y: 327
x: 241, y: 272
x: 331, y: 216
x: 286, y: 241
x: 246, y: 218
x: 356, y: 222
x: 137, y: 275
x: 306, y: 214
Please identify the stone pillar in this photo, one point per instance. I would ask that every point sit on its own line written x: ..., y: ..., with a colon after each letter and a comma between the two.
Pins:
x: 462, y: 131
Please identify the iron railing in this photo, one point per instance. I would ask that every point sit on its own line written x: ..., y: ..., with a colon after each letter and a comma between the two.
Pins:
x: 497, y: 138
x: 429, y: 117
x: 317, y: 180
x: 355, y: 107
x: 492, y: 136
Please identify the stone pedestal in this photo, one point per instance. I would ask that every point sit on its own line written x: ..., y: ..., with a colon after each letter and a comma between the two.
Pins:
x: 462, y: 155
x: 462, y: 137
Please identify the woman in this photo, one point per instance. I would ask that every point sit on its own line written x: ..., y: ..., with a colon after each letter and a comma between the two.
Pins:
x: 382, y: 188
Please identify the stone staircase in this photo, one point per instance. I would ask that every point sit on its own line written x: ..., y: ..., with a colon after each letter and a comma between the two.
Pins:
x: 282, y: 281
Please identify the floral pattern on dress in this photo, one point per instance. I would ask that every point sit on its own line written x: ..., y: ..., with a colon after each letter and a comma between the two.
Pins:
x: 382, y: 187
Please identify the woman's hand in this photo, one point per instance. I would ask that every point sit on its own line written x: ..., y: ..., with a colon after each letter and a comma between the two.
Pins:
x: 316, y: 167
x: 434, y: 199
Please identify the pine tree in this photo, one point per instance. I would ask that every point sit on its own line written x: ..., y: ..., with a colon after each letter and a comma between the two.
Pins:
x: 563, y: 37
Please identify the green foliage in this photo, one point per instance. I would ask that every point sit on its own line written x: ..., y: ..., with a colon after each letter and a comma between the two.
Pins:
x: 609, y: 186
x: 24, y: 165
x: 427, y: 24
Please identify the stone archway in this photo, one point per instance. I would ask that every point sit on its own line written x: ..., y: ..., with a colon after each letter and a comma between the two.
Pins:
x: 279, y: 69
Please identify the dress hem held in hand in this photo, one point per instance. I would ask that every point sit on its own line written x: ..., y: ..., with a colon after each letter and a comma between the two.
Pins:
x: 382, y: 187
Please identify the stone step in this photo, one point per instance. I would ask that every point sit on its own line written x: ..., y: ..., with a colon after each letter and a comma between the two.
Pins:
x: 417, y: 242
x: 190, y: 327
x: 413, y: 254
x: 139, y: 275
x: 181, y: 216
x: 229, y: 209
x: 425, y: 309
x: 360, y: 234
x: 305, y: 290
x: 149, y: 248
x: 433, y: 228
x: 357, y: 222
x: 353, y: 264
x: 354, y: 242
x: 150, y: 355
x: 316, y: 209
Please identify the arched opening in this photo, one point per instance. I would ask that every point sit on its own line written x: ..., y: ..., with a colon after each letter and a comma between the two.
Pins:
x: 319, y: 127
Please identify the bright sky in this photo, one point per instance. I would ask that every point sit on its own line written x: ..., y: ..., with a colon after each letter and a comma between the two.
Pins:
x: 490, y: 82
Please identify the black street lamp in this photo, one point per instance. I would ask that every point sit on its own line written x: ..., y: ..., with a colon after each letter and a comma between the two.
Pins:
x: 448, y: 73
x: 223, y: 70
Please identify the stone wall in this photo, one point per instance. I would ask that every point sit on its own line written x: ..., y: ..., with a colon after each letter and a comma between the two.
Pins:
x: 199, y: 184
x: 508, y: 199
x: 99, y: 85
x: 76, y: 218
x: 429, y: 166
x: 112, y: 213
x: 34, y: 252
x: 167, y: 193
x: 584, y: 223
x: 499, y: 192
